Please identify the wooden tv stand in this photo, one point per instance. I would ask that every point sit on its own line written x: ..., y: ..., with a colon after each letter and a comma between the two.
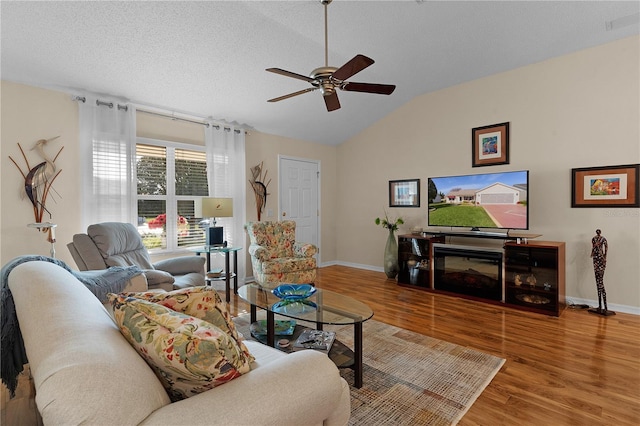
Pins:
x: 524, y: 275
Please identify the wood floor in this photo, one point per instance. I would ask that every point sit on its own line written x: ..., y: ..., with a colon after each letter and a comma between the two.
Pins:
x: 578, y: 369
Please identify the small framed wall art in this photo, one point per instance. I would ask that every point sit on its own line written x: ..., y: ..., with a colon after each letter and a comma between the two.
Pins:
x: 404, y: 193
x: 612, y: 186
x: 490, y: 145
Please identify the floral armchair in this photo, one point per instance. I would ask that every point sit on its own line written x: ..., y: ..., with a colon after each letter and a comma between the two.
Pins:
x: 276, y: 257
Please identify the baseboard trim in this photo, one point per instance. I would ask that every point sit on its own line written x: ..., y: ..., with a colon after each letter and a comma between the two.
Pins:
x: 611, y: 306
x: 353, y: 265
x: 633, y: 310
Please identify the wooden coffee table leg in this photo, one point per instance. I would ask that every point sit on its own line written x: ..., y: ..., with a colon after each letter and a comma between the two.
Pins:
x: 357, y: 353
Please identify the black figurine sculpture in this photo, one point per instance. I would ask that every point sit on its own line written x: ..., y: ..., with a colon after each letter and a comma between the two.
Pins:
x: 599, y: 249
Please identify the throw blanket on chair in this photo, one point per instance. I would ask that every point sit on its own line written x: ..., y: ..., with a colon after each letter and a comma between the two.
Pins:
x: 13, y: 354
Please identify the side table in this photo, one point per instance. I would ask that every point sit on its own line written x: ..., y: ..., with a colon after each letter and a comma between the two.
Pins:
x: 228, y: 274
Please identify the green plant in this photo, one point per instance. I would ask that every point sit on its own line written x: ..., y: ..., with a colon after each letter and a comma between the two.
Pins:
x: 386, y: 223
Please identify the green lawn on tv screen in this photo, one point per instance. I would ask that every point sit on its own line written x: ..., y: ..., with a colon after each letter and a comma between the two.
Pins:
x: 460, y: 215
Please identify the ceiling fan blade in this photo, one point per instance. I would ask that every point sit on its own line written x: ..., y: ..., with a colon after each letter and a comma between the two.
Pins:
x: 381, y: 89
x: 290, y: 74
x: 332, y: 102
x: 354, y: 66
x: 291, y: 95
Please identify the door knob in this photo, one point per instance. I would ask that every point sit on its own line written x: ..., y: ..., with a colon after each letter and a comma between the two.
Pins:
x: 284, y: 214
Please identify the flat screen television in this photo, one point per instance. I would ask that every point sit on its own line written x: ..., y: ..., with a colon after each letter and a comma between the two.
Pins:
x: 480, y: 201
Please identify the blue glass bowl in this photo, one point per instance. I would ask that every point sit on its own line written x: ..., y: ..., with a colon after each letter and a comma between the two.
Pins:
x: 294, y: 307
x: 293, y: 291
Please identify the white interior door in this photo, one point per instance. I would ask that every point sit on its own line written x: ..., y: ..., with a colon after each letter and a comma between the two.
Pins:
x: 299, y: 182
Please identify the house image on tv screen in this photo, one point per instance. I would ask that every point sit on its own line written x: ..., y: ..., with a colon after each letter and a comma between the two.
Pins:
x: 497, y: 193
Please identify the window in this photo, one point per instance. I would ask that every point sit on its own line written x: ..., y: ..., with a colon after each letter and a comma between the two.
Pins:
x: 171, y: 180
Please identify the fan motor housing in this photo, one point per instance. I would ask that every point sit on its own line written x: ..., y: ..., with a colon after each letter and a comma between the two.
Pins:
x: 322, y: 77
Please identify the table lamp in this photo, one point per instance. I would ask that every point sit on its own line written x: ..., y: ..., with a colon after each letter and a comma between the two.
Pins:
x: 214, y: 208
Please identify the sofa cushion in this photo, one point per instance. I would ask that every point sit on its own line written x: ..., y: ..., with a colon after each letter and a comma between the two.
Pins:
x: 188, y: 280
x: 288, y: 264
x: 279, y: 237
x: 188, y: 355
x: 155, y: 277
x: 200, y: 302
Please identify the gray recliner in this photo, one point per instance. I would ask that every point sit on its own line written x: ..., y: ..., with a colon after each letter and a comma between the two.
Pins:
x: 119, y: 244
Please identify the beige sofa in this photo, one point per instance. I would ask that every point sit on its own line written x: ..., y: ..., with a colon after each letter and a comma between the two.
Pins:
x: 85, y: 371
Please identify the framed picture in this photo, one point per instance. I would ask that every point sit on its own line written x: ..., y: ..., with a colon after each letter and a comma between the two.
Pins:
x: 490, y: 145
x: 404, y: 193
x: 613, y: 186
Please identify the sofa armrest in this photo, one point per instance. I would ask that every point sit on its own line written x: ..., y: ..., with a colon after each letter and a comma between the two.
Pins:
x: 86, y: 254
x: 259, y: 252
x: 137, y: 284
x: 304, y: 250
x: 157, y: 277
x: 303, y: 388
x: 181, y: 265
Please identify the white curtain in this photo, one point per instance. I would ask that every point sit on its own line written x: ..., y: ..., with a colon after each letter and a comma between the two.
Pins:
x: 226, y: 178
x: 107, y: 136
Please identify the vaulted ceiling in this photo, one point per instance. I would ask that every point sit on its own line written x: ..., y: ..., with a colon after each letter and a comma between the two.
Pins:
x: 209, y: 58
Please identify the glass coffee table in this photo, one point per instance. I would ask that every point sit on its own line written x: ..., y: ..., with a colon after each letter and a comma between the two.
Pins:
x: 331, y: 308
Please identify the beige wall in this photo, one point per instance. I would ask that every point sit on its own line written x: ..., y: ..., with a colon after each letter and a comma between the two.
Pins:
x: 266, y: 148
x: 30, y: 114
x: 579, y: 110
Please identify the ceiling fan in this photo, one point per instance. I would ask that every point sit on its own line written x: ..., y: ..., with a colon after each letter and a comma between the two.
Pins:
x: 329, y: 79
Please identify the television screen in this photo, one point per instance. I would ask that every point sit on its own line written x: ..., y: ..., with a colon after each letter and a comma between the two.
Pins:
x: 488, y: 200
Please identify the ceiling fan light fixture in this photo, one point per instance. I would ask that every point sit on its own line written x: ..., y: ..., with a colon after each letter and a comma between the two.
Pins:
x: 327, y: 88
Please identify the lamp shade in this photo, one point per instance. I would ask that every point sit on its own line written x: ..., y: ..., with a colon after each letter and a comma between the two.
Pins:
x: 217, y: 207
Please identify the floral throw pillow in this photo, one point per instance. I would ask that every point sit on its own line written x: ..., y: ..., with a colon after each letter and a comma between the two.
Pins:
x: 188, y: 355
x: 201, y: 302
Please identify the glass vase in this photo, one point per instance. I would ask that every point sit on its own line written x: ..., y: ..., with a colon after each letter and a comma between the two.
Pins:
x: 391, y: 256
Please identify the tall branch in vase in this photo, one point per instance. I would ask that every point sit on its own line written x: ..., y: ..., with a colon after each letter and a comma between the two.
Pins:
x: 259, y: 187
x: 38, y: 182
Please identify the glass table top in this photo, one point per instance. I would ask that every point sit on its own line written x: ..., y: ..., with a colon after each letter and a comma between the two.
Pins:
x: 214, y: 249
x: 324, y: 306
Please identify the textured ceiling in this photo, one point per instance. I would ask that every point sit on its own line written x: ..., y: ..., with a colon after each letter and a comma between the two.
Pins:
x: 209, y: 58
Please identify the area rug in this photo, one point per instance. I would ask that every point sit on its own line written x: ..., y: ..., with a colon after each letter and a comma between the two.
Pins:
x: 411, y: 379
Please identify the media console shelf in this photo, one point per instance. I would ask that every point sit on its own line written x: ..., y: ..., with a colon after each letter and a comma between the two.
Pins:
x: 414, y: 259
x: 524, y: 275
x: 535, y: 276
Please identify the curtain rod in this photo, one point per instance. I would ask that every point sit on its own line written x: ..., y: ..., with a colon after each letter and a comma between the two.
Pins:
x: 171, y: 117
x: 99, y: 102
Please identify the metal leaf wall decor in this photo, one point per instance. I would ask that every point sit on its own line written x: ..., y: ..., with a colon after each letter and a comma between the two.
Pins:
x: 38, y: 181
x: 259, y: 187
